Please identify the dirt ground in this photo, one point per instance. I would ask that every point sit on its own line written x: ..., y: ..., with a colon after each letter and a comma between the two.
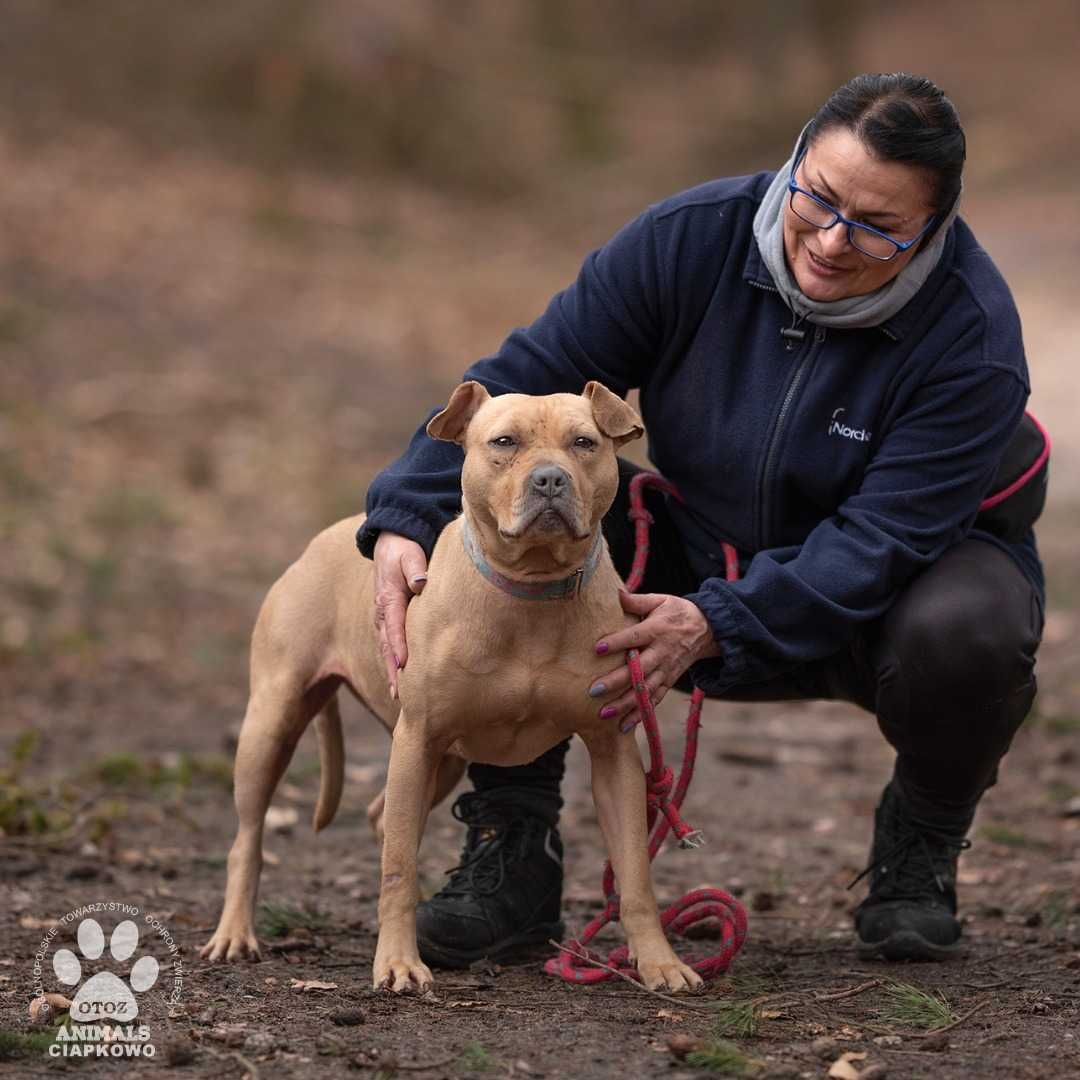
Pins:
x: 260, y: 349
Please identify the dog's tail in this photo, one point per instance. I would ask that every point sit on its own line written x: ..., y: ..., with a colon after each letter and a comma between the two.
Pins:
x: 331, y: 763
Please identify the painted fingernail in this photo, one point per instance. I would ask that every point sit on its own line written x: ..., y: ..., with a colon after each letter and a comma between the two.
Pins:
x: 601, y: 648
x: 628, y: 725
x: 419, y: 577
x: 597, y: 690
x: 607, y: 712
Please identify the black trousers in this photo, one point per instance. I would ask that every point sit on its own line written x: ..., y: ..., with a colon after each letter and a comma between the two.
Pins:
x: 948, y: 671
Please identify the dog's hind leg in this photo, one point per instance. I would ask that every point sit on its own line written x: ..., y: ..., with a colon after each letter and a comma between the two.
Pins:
x: 276, y: 717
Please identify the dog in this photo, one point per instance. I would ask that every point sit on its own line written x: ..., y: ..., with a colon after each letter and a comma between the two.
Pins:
x: 501, y: 656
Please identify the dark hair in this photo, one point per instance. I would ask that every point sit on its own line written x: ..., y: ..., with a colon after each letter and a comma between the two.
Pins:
x: 902, y: 118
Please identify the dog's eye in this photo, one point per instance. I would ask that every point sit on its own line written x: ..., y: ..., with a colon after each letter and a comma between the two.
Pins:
x: 583, y: 442
x: 503, y: 442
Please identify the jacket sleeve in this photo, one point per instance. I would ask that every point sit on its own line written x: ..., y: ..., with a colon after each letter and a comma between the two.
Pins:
x: 919, y: 496
x: 606, y: 326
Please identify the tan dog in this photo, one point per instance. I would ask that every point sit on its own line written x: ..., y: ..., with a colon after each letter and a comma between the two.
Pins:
x: 492, y: 676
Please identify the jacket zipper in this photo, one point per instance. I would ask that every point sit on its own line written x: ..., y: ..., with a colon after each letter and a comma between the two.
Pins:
x: 773, y: 451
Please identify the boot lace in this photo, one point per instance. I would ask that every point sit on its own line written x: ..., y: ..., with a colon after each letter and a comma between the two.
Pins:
x: 497, y: 837
x: 916, y: 857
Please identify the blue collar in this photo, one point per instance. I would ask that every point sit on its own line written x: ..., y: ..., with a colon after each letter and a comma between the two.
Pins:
x: 562, y: 589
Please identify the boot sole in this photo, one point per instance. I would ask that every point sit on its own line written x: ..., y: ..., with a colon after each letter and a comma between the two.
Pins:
x: 447, y: 957
x: 905, y: 945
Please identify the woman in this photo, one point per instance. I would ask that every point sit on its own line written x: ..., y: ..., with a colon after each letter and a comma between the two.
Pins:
x: 831, y: 370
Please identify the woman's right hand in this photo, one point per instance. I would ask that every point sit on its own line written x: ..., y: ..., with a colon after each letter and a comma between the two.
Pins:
x: 400, y: 574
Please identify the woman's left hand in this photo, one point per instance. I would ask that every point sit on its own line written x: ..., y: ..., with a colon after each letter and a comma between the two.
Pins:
x: 672, y: 635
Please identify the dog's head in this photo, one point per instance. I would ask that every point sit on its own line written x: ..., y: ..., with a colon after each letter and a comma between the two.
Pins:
x: 540, y: 472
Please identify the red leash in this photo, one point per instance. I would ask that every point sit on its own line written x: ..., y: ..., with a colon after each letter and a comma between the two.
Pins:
x: 664, y: 805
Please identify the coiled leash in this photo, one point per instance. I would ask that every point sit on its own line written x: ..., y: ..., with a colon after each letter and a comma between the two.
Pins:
x: 664, y: 798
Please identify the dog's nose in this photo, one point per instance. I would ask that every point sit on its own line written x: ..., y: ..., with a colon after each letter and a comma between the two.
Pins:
x: 549, y: 480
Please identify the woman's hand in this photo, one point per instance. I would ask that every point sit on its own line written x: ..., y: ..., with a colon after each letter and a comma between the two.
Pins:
x: 672, y: 635
x: 400, y: 574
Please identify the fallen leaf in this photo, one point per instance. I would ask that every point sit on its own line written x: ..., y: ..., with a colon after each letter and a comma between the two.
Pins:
x: 43, y: 1008
x: 270, y: 858
x: 842, y: 1069
x: 311, y: 984
x: 669, y: 1014
x: 363, y: 774
x: 281, y: 818
x: 31, y: 922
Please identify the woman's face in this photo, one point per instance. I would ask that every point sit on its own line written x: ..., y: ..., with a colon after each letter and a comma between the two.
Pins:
x: 888, y: 195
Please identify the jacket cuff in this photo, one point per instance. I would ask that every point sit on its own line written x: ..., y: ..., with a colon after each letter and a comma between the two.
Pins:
x: 717, y: 674
x: 396, y: 521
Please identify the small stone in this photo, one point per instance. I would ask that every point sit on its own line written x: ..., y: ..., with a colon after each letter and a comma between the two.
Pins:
x: 206, y: 1016
x: 347, y: 1017
x: 179, y: 1052
x: 681, y: 1044
x: 262, y: 1042
x: 233, y: 1035
x: 823, y: 1047
x: 888, y: 1040
x: 935, y: 1041
x: 1072, y: 807
x: 83, y: 872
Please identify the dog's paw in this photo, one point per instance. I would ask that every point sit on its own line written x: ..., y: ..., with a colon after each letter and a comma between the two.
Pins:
x: 668, y: 973
x: 231, y: 945
x: 402, y: 974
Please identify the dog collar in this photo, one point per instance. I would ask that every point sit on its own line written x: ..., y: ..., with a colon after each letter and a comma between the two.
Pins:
x: 527, y: 590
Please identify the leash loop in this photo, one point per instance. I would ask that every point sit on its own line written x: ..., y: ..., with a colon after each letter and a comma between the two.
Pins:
x: 663, y: 799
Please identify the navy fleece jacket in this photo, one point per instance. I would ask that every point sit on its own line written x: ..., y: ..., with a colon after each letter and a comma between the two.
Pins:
x: 839, y: 465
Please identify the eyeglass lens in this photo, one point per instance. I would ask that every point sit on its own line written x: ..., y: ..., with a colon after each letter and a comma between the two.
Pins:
x: 815, y: 213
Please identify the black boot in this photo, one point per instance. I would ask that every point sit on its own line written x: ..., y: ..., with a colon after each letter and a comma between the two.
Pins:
x: 506, y: 893
x: 910, y: 912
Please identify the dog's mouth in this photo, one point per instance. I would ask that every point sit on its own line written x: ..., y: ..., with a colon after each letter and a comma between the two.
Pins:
x: 546, y: 519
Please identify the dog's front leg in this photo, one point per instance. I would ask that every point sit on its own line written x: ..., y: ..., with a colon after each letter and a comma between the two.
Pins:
x: 619, y: 793
x: 410, y: 784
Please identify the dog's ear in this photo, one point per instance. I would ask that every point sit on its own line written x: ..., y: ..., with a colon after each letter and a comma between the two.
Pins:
x: 612, y: 415
x: 450, y: 425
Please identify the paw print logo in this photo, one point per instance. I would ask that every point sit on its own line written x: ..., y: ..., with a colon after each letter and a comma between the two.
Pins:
x: 104, y: 996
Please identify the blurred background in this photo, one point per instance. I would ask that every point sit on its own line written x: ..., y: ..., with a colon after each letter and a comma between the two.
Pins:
x: 244, y: 247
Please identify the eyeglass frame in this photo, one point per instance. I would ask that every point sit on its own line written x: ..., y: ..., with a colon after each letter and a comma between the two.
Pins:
x: 838, y: 218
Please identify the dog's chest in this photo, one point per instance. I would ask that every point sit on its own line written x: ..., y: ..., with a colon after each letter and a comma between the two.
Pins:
x: 513, y: 709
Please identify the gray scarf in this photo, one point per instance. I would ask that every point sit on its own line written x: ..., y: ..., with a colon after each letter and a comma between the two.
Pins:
x: 871, y: 309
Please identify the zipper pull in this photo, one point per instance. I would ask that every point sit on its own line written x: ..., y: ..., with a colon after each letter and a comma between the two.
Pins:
x: 792, y: 333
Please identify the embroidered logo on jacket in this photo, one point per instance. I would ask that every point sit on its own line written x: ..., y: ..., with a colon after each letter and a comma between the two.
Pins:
x: 838, y: 427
